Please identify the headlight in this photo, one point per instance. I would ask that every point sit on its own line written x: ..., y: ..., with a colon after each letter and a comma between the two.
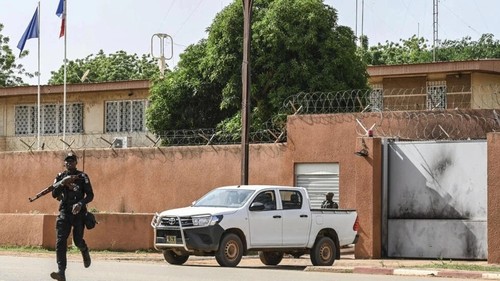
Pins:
x: 154, y: 221
x: 206, y: 220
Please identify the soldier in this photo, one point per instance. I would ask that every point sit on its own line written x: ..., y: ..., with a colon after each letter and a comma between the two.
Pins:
x: 74, y: 192
x: 329, y: 203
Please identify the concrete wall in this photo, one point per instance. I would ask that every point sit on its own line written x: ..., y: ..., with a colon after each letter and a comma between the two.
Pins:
x: 124, y: 232
x: 147, y: 180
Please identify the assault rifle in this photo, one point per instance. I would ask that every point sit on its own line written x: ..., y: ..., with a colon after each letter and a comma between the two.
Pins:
x: 64, y: 181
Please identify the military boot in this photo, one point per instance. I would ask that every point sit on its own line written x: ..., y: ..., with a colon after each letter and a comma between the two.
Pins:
x: 86, y: 257
x: 59, y: 276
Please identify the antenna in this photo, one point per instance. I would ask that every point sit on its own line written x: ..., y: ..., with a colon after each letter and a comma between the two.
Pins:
x: 163, y: 38
x: 435, y: 28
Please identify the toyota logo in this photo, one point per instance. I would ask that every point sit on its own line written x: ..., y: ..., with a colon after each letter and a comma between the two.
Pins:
x: 171, y: 221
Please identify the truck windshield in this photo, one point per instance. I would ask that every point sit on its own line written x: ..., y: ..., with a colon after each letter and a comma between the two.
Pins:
x: 230, y: 198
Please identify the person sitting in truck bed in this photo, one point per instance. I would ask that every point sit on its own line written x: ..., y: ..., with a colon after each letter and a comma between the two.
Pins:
x: 329, y: 203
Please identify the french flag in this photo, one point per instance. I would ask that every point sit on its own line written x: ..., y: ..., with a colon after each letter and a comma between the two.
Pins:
x: 61, y: 12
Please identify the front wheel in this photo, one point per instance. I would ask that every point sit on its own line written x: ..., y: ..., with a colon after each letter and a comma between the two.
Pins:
x: 323, y: 252
x: 270, y: 258
x: 174, y: 258
x: 230, y: 250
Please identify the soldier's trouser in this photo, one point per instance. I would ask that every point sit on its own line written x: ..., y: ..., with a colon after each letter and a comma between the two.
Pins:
x: 64, y: 223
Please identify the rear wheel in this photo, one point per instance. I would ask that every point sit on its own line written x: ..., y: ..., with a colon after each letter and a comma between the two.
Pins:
x: 230, y: 250
x: 323, y: 252
x: 270, y: 258
x: 173, y: 257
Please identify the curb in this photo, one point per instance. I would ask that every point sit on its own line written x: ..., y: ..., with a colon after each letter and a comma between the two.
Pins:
x: 427, y: 272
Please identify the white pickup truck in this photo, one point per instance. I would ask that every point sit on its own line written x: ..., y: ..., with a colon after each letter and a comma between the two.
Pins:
x: 231, y: 221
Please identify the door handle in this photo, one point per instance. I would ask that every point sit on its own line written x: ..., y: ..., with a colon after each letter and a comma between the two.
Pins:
x: 303, y: 216
x: 276, y: 217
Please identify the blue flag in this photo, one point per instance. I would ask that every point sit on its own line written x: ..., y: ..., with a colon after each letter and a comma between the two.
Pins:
x: 31, y: 32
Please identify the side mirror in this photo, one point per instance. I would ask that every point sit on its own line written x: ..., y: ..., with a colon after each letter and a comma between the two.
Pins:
x: 192, y: 203
x: 257, y: 206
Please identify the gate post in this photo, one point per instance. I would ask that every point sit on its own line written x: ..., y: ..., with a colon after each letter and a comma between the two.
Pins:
x: 368, y: 186
x: 493, y: 218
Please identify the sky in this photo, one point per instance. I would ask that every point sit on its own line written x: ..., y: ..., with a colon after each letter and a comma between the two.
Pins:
x: 129, y: 25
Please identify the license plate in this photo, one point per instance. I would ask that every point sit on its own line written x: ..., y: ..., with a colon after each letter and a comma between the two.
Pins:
x: 171, y: 239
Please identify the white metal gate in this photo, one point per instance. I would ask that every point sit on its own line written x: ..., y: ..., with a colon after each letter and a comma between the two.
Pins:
x: 436, y: 200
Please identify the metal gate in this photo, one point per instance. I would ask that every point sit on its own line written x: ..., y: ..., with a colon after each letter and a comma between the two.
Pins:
x: 436, y: 200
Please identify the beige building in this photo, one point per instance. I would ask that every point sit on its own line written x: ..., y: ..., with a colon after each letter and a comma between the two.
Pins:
x: 97, y: 115
x: 112, y: 114
x: 435, y: 86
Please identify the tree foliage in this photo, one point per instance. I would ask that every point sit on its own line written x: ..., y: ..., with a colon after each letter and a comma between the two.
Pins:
x: 11, y: 73
x: 119, y: 66
x: 296, y: 46
x: 418, y: 50
x: 184, y: 99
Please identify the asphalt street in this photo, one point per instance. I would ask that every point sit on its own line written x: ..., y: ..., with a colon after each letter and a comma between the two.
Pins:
x: 21, y: 268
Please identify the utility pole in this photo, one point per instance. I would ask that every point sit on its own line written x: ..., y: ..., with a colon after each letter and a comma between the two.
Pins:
x: 245, y: 99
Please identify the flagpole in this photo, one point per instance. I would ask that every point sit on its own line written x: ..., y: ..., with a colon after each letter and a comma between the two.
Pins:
x: 65, y: 38
x: 38, y: 73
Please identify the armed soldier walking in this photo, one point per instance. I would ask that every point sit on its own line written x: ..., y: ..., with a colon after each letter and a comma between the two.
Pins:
x: 74, y: 192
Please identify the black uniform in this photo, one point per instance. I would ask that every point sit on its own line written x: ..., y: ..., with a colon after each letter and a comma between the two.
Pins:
x: 80, y: 191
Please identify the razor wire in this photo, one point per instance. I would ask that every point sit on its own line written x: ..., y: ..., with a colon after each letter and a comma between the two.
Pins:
x: 406, y: 114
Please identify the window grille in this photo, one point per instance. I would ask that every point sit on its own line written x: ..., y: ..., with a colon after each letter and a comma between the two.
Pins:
x: 376, y: 98
x: 26, y: 119
x: 436, y: 95
x: 125, y: 116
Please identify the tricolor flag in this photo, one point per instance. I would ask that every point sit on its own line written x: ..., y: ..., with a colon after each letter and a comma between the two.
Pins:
x: 61, y: 12
x: 32, y: 31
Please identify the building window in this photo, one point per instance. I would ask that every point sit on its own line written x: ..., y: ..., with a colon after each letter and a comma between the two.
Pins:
x: 52, y: 118
x: 436, y: 95
x: 125, y: 116
x: 376, y: 98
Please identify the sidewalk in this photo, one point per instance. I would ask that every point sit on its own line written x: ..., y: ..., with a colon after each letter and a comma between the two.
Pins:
x: 348, y: 264
x: 405, y: 267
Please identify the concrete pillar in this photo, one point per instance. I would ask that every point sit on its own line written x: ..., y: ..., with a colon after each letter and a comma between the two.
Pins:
x: 368, y: 188
x: 493, y: 166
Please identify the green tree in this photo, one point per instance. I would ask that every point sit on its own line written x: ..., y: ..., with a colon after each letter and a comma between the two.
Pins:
x: 119, y: 66
x: 11, y: 73
x: 418, y: 50
x: 413, y: 50
x: 296, y: 46
x: 467, y: 49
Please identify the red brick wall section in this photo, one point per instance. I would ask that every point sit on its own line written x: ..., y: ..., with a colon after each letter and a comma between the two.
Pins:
x: 493, y: 197
x: 21, y: 229
x: 368, y: 192
x: 136, y: 232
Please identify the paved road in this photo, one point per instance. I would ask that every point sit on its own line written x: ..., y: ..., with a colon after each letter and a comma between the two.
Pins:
x: 14, y: 268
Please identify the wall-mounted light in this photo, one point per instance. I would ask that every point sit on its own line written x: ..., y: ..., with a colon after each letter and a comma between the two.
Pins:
x: 362, y: 153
